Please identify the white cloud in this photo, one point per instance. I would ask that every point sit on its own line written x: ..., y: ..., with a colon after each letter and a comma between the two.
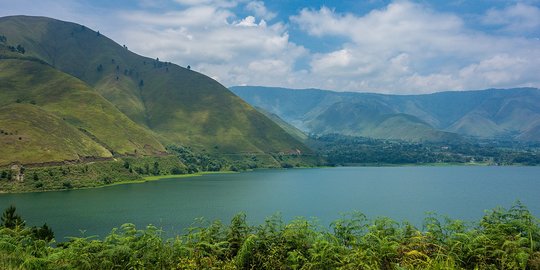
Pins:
x: 214, y: 3
x: 340, y: 58
x: 408, y: 47
x: 191, y: 17
x: 250, y: 21
x: 501, y: 69
x: 260, y: 10
x: 519, y: 18
x: 214, y: 41
x: 404, y: 47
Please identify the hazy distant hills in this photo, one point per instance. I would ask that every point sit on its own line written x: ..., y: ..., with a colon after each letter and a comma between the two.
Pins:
x: 492, y: 114
x: 75, y: 93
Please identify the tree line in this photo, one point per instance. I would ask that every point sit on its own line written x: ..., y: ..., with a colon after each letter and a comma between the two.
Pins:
x: 343, y: 150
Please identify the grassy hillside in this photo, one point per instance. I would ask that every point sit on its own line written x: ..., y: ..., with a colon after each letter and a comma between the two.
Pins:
x: 501, y: 114
x: 83, y: 122
x: 179, y: 105
x: 33, y: 135
x: 290, y: 105
x: 531, y: 134
x: 295, y: 132
x: 376, y: 121
x: 410, y: 128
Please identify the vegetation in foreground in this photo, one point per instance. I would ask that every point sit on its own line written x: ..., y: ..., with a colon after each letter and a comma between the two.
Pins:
x: 502, y: 239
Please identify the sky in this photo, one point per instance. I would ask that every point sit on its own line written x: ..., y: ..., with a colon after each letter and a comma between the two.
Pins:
x: 398, y: 47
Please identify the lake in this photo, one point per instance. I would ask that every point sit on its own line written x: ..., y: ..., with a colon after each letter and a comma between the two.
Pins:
x: 402, y: 193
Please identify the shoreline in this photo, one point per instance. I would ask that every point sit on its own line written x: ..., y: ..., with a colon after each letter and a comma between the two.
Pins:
x: 437, y: 164
x: 359, y: 165
x: 126, y: 182
x: 159, y: 177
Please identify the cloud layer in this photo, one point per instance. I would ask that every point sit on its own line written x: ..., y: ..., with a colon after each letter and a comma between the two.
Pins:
x: 402, y: 47
x: 214, y: 41
x: 407, y: 47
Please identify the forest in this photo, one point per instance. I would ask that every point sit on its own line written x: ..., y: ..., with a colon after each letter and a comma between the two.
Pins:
x: 348, y: 150
x: 501, y: 239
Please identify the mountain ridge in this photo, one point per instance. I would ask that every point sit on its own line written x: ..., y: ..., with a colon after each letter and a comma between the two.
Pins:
x: 163, y: 103
x: 504, y: 113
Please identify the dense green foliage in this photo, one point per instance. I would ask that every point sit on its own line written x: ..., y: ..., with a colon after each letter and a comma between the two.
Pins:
x: 70, y: 176
x: 99, y: 172
x: 11, y: 220
x: 91, y: 174
x: 347, y: 150
x: 502, y: 239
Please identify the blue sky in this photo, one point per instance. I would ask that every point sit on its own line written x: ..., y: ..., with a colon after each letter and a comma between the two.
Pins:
x: 403, y: 46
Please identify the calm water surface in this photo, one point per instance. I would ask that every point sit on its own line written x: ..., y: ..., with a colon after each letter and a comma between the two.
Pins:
x: 402, y: 193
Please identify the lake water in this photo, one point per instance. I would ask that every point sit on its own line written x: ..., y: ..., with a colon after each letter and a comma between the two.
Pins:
x: 402, y: 193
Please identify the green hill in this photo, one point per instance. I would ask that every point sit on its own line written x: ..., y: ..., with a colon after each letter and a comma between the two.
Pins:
x: 375, y: 120
x: 108, y: 100
x: 179, y: 105
x: 492, y: 114
x: 295, y: 132
x: 33, y: 135
x: 83, y: 122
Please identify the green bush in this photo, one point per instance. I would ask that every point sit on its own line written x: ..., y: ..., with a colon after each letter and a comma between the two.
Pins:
x: 502, y: 239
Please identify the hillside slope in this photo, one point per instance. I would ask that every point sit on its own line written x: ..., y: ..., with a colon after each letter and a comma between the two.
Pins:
x: 51, y: 96
x: 295, y: 132
x: 502, y: 114
x: 178, y: 105
x: 30, y: 134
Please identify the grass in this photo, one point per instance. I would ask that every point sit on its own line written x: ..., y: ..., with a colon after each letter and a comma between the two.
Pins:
x: 33, y: 135
x: 63, y: 116
x: 295, y: 132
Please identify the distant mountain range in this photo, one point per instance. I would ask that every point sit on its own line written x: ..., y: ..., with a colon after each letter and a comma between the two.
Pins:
x: 68, y: 93
x: 509, y: 114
